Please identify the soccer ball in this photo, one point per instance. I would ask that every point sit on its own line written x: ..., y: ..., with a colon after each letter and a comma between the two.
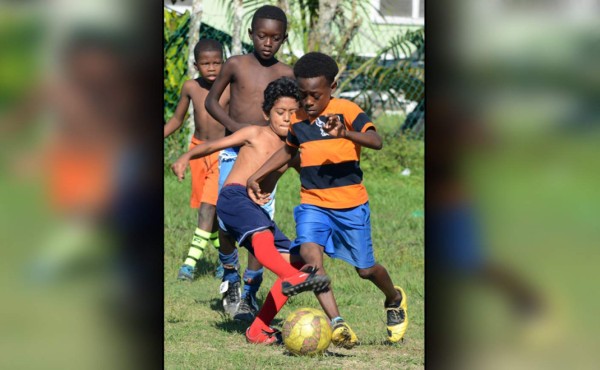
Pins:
x: 306, y: 331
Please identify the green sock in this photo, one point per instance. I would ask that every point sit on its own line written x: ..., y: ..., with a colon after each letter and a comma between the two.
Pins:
x: 214, y: 239
x: 199, y: 242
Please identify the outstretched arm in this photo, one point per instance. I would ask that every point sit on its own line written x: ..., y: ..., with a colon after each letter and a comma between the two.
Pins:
x: 336, y: 128
x: 277, y: 160
x: 176, y: 121
x: 236, y: 139
x: 212, y: 100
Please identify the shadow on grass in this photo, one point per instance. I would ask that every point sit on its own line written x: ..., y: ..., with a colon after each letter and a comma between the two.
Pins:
x: 325, y: 354
x: 206, y: 268
x: 381, y: 342
x: 232, y: 326
x: 277, y: 322
x: 215, y: 304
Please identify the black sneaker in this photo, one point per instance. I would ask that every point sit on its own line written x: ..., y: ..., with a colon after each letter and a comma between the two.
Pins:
x: 247, y: 309
x: 232, y: 293
x: 306, y: 279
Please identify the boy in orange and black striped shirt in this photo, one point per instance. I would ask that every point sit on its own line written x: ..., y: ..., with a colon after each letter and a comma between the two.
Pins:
x: 334, y: 215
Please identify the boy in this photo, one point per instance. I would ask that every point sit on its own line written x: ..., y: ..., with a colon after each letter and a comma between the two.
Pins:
x: 248, y: 76
x: 334, y: 215
x: 243, y: 219
x: 205, y: 172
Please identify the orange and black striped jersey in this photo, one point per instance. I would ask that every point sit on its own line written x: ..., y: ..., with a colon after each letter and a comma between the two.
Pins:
x: 330, y: 172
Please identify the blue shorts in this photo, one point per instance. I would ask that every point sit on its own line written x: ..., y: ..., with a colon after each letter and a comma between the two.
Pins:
x: 241, y: 218
x: 227, y: 158
x: 453, y: 239
x: 343, y: 233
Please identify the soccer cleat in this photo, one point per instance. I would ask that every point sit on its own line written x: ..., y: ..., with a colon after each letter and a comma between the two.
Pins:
x: 306, y: 279
x: 186, y: 272
x: 271, y: 336
x: 247, y: 309
x: 397, y: 319
x: 231, y: 296
x: 343, y: 336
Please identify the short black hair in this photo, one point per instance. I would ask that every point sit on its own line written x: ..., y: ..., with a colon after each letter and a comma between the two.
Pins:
x: 270, y: 12
x: 316, y: 64
x: 284, y: 86
x: 207, y: 45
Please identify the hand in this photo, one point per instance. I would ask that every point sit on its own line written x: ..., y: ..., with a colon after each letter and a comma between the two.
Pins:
x: 179, y: 167
x: 256, y: 194
x: 334, y: 126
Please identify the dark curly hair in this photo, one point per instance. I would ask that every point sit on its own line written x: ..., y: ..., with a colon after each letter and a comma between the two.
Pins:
x: 316, y: 64
x: 207, y: 45
x: 281, y: 87
x: 270, y: 12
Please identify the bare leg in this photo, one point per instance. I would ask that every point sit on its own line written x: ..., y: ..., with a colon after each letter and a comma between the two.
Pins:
x: 379, y: 276
x: 253, y: 263
x: 206, y: 216
x: 201, y: 238
x: 215, y: 223
x: 227, y: 243
x: 524, y: 298
x: 312, y: 254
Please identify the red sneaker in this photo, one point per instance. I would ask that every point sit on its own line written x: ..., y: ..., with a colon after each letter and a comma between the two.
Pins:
x: 266, y: 336
x: 305, y: 279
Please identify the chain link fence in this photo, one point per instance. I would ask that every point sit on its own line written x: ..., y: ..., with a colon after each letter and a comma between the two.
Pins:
x: 388, y: 86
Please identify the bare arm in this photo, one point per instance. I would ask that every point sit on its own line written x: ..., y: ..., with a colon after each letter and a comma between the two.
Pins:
x: 277, y: 160
x: 176, y: 120
x: 236, y: 139
x: 369, y: 138
x: 212, y: 100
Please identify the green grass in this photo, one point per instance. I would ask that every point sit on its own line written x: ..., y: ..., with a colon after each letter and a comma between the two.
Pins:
x: 198, y: 335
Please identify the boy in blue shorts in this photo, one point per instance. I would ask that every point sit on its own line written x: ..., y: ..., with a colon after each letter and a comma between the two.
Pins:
x: 246, y: 77
x: 334, y: 215
x: 248, y: 223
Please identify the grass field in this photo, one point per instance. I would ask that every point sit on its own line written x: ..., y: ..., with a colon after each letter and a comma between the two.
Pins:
x: 197, y: 334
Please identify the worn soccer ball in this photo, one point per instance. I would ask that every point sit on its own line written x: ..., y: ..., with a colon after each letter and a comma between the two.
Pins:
x: 306, y: 331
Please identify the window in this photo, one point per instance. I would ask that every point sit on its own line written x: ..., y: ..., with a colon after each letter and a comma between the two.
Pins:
x: 408, y: 12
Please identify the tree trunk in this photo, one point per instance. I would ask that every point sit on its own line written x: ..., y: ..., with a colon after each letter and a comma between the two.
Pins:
x: 236, y: 33
x: 194, y: 35
x: 193, y: 38
x: 321, y: 34
x: 284, y: 5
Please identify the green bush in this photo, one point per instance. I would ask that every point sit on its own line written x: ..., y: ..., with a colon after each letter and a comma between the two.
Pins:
x: 176, y: 28
x: 399, y: 152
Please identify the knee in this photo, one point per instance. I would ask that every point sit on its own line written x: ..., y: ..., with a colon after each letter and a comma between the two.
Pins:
x: 313, y: 256
x: 365, y: 273
x: 309, y: 253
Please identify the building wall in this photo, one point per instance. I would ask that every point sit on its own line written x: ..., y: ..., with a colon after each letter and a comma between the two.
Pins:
x: 372, y: 35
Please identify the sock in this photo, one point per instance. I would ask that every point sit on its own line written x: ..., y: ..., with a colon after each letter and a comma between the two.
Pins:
x: 252, y: 281
x: 335, y: 320
x: 265, y: 252
x: 199, y: 242
x: 214, y: 239
x: 230, y: 266
x: 273, y: 303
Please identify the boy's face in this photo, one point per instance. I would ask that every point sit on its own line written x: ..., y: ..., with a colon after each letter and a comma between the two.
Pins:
x: 281, y: 114
x: 316, y: 94
x: 209, y: 64
x: 267, y: 37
